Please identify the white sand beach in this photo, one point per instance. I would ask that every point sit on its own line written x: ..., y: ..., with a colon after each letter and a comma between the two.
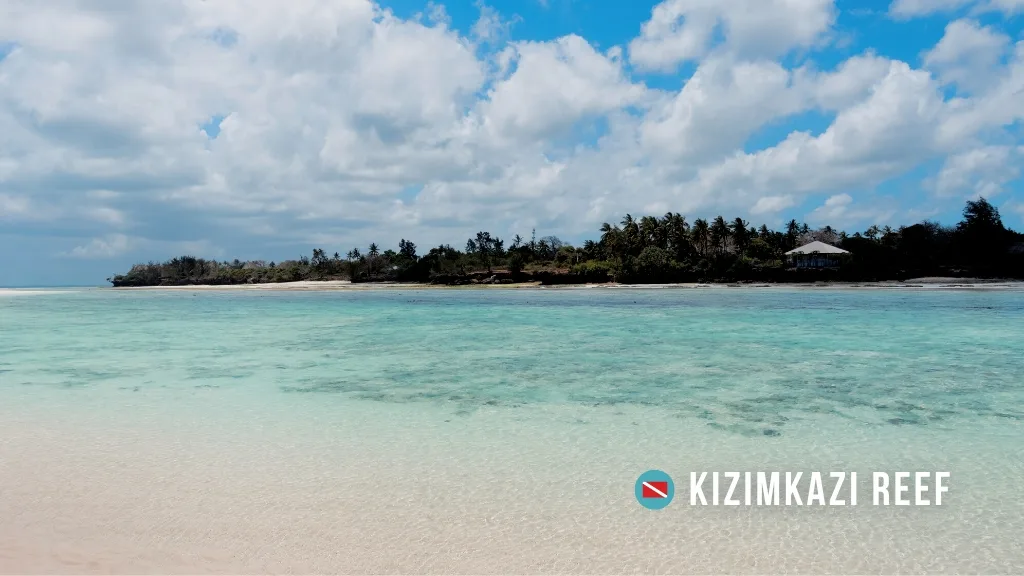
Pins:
x: 324, y: 285
x: 27, y: 291
x: 931, y: 283
x: 334, y: 285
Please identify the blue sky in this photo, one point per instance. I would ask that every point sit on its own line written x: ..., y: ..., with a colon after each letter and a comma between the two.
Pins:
x: 139, y: 131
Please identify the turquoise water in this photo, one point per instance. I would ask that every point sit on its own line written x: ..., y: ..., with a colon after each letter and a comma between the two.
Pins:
x: 747, y: 360
x: 447, y: 392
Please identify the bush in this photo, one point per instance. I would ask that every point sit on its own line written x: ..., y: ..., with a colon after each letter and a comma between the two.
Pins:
x: 593, y: 271
x: 652, y: 265
x: 761, y: 250
x: 515, y: 264
x: 652, y: 260
x: 742, y: 269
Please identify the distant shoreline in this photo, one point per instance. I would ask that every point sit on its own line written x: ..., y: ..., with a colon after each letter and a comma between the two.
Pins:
x: 651, y: 250
x: 930, y: 283
x: 344, y: 285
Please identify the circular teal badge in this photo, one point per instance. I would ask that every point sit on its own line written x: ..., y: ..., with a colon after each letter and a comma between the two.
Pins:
x: 654, y: 489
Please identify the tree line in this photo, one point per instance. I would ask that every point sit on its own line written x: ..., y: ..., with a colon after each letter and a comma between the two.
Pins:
x: 648, y: 249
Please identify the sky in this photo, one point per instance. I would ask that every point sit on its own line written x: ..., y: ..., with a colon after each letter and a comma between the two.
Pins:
x: 137, y: 130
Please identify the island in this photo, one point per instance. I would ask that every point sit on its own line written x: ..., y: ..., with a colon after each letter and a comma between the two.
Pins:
x: 646, y: 250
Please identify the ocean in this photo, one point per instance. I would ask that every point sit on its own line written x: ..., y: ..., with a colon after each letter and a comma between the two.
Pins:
x: 502, y: 431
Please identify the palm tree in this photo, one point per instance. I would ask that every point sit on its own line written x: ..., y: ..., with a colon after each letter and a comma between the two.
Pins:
x: 319, y: 261
x: 631, y: 234
x: 740, y: 234
x: 650, y: 232
x: 719, y: 233
x: 354, y: 258
x: 677, y: 234
x: 372, y: 254
x: 611, y: 240
x: 701, y: 235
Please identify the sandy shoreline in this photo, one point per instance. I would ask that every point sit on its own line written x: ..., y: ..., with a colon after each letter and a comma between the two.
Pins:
x: 345, y: 285
x: 326, y: 286
x: 330, y: 285
x: 31, y: 291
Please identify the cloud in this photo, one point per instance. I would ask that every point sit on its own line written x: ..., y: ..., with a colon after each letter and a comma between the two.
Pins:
x: 1007, y: 6
x: 490, y: 27
x: 886, y: 134
x: 725, y: 101
x: 13, y: 206
x: 685, y: 30
x: 968, y: 55
x: 719, y: 107
x: 915, y: 8
x: 107, y: 215
x: 911, y: 8
x: 111, y: 246
x: 1015, y: 208
x: 436, y: 14
x: 1000, y: 105
x: 982, y: 171
x: 833, y: 208
x: 850, y: 83
x: 554, y: 85
x: 772, y: 204
x: 107, y: 247
x: 841, y: 210
x: 342, y: 123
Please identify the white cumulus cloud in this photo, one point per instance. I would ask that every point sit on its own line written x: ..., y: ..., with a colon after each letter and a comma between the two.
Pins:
x: 982, y: 171
x: 916, y: 8
x: 105, y: 247
x: 685, y: 30
x: 968, y: 55
x: 841, y: 210
x: 241, y: 129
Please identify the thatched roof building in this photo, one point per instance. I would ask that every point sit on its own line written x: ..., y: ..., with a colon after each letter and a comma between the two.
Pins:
x: 816, y: 248
x: 817, y: 255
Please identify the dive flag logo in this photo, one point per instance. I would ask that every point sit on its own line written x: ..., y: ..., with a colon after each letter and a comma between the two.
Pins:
x: 655, y: 489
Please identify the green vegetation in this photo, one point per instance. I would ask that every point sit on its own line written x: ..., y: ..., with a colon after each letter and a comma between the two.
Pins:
x: 645, y: 250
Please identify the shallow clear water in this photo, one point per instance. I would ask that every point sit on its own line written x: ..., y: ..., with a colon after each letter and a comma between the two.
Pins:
x: 501, y: 430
